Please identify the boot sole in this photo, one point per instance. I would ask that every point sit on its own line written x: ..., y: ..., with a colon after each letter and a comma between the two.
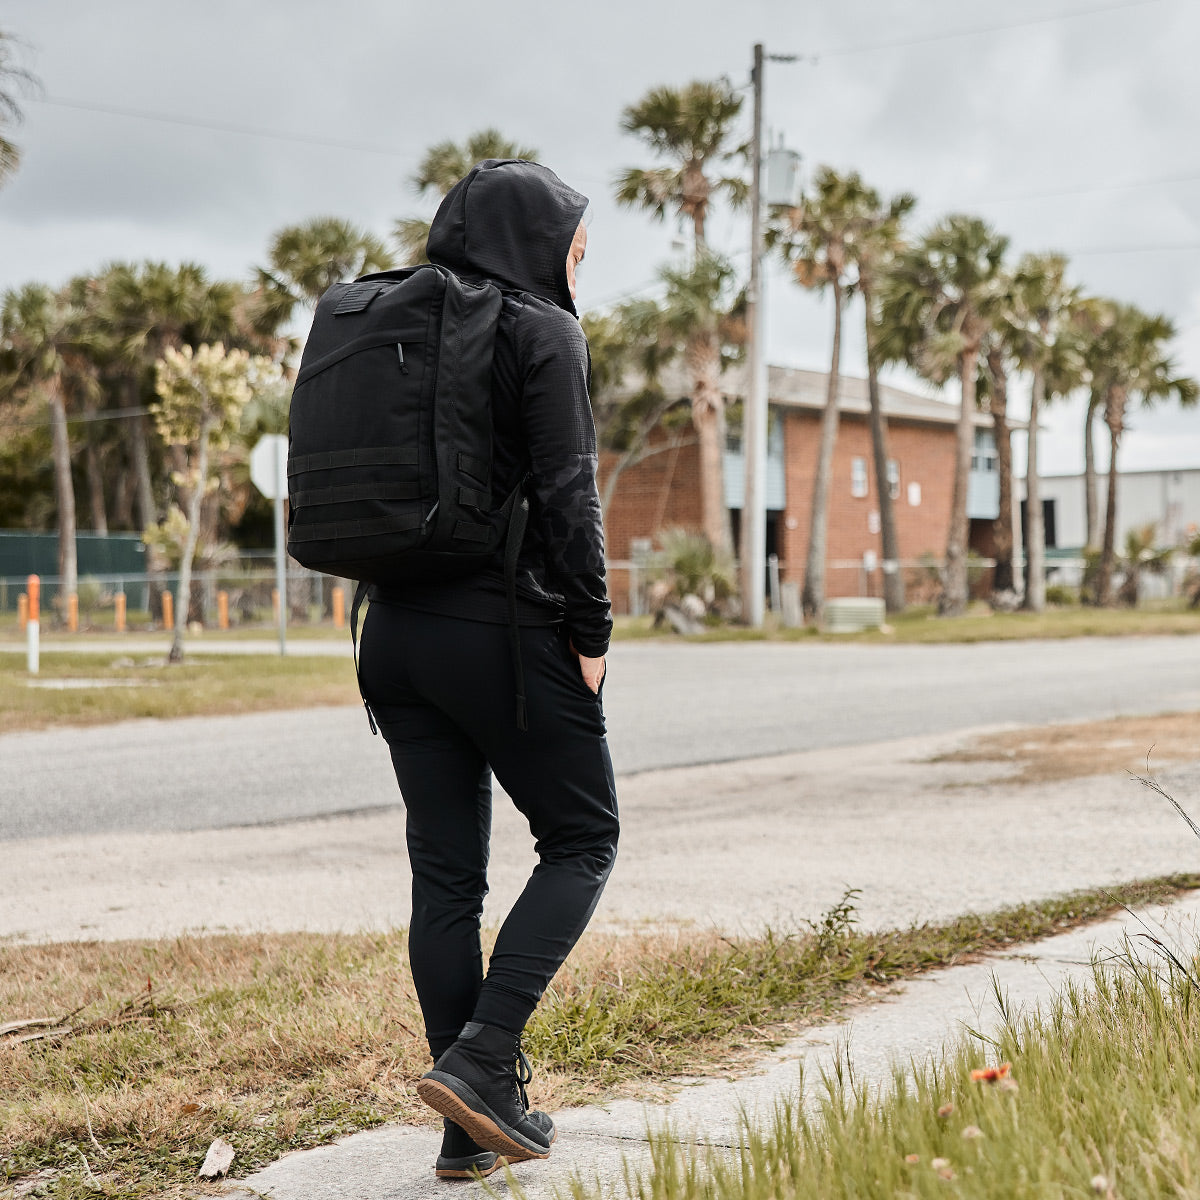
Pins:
x: 468, y: 1169
x: 454, y: 1099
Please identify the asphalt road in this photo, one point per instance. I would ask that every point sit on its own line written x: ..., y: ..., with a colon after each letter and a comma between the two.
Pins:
x: 667, y: 705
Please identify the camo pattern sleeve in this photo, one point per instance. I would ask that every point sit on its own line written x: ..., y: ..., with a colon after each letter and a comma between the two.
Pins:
x: 564, y: 500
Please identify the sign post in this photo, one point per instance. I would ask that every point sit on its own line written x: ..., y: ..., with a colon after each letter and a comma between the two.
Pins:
x: 268, y: 472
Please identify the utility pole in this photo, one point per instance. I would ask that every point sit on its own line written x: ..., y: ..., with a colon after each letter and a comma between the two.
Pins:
x: 754, y: 410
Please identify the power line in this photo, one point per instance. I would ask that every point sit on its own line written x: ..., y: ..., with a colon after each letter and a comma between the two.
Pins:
x: 1099, y: 250
x: 142, y: 114
x: 1095, y: 187
x: 111, y: 414
x: 979, y: 30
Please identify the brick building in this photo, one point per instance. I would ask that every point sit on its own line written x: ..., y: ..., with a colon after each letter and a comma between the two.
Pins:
x: 663, y: 490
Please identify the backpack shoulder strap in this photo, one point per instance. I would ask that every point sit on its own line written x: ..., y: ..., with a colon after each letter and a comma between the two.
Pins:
x: 360, y: 594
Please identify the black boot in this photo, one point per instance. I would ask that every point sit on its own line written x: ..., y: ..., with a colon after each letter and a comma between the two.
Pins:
x: 461, y: 1158
x: 479, y: 1083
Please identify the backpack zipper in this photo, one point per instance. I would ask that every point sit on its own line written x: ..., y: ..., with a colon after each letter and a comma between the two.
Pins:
x: 403, y: 364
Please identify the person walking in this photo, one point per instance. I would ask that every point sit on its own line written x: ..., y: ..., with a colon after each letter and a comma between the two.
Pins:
x: 438, y: 672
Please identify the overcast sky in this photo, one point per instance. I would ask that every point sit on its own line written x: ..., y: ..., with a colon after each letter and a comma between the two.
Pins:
x: 1070, y: 125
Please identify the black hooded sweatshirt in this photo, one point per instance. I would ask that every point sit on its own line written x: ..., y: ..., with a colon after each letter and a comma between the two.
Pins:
x: 513, y: 222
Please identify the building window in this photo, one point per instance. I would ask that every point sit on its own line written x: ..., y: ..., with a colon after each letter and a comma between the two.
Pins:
x: 1050, y: 524
x: 893, y: 479
x: 984, y: 456
x: 858, y: 477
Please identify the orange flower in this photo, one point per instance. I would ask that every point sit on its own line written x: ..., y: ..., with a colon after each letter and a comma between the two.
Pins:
x: 945, y: 1110
x: 912, y: 1158
x: 991, y: 1074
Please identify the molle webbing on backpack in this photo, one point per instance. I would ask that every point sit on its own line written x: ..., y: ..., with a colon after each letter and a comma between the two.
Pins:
x: 390, y: 459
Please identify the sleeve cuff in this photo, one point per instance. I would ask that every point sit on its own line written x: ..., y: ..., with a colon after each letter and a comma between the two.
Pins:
x: 589, y: 649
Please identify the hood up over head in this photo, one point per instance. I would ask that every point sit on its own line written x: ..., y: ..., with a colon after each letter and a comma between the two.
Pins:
x: 512, y: 221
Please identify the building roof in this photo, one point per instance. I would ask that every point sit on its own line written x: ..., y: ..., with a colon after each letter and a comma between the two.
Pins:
x: 791, y: 387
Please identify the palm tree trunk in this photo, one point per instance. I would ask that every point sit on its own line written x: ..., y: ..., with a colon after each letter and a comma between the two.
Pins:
x: 64, y: 495
x: 812, y: 598
x: 126, y: 488
x: 893, y: 577
x: 95, y: 477
x: 137, y: 432
x: 953, y: 602
x: 1003, y: 577
x: 1035, y: 524
x: 707, y: 402
x: 1089, y: 474
x: 1114, y: 418
x: 195, y: 502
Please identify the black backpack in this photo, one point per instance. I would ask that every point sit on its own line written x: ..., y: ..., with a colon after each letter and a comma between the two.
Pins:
x: 390, y: 437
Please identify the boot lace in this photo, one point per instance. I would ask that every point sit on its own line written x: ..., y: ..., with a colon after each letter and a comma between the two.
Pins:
x: 524, y: 1075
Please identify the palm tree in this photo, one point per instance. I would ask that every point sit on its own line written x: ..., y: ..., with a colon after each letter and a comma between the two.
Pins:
x: 1040, y: 328
x: 997, y: 362
x: 304, y: 261
x: 40, y: 339
x: 13, y: 80
x: 442, y: 166
x: 700, y: 316
x: 692, y: 128
x: 821, y: 241
x: 938, y: 303
x: 877, y: 248
x: 144, y: 310
x: 634, y: 340
x: 1128, y: 361
x: 1142, y: 558
x: 1090, y: 489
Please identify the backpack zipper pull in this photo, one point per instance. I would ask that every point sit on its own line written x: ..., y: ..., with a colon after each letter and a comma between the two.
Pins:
x: 403, y: 364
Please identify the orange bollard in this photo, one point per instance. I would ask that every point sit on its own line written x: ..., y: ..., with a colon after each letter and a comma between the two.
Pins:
x: 22, y: 611
x: 168, y: 606
x: 73, y: 613
x: 275, y: 605
x: 222, y: 610
x: 339, y: 608
x: 33, y: 628
x: 119, y: 612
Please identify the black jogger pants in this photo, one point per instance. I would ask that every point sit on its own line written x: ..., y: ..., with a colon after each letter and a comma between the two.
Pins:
x: 443, y: 694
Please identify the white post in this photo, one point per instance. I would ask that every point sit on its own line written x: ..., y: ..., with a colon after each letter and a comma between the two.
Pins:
x: 281, y: 541
x: 33, y: 626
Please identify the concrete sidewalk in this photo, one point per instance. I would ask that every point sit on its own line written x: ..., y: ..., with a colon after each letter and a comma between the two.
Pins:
x: 597, y: 1143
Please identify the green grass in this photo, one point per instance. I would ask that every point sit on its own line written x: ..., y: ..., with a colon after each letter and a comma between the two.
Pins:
x: 282, y: 1041
x: 922, y: 626
x: 216, y: 684
x: 148, y: 688
x: 1102, y: 1098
